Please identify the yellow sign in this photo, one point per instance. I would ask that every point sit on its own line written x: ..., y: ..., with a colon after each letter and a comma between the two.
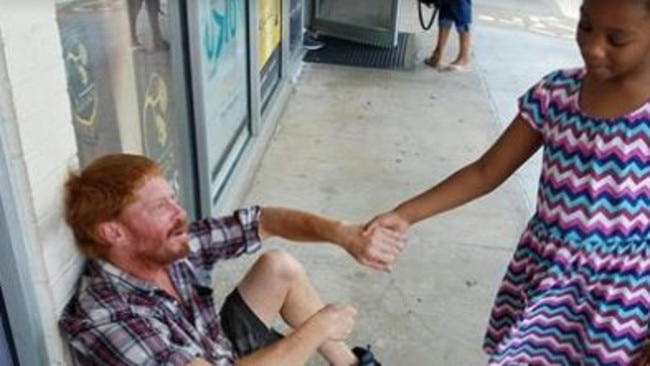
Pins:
x: 269, y: 29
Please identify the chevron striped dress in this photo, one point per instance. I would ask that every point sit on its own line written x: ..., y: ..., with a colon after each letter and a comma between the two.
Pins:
x: 577, y: 291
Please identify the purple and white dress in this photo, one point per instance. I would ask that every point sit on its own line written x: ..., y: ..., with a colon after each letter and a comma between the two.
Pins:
x: 577, y: 291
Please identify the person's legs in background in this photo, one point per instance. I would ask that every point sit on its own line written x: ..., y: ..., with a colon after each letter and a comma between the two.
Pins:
x: 153, y: 11
x: 463, y: 11
x: 133, y: 7
x: 458, y: 13
x: 444, y: 28
x: 309, y: 37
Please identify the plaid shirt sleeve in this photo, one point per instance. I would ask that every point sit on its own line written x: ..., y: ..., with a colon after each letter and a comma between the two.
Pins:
x: 226, y: 237
x: 134, y: 341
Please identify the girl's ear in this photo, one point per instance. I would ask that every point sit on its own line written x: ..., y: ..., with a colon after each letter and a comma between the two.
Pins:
x: 111, y: 233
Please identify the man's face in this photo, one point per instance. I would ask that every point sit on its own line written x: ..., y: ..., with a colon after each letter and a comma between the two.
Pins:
x: 155, y: 225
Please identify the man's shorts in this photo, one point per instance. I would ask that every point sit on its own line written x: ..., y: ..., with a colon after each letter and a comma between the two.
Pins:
x: 243, y: 328
x: 458, y: 12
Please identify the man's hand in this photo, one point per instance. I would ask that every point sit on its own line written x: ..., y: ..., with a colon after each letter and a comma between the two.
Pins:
x: 376, y: 247
x: 330, y: 323
x: 337, y: 321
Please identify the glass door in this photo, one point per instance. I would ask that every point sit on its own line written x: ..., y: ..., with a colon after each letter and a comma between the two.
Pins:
x: 21, y: 336
x: 22, y: 339
x: 269, y: 42
x: 7, y: 353
x: 366, y: 21
x: 125, y: 68
x: 219, y: 54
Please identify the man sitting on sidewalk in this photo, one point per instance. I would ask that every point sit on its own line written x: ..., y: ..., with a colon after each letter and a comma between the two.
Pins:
x: 145, y: 296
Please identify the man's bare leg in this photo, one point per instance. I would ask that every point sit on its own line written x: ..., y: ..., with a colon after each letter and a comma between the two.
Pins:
x: 277, y: 284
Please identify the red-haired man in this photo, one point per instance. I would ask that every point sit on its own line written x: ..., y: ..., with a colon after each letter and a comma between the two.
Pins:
x: 145, y: 296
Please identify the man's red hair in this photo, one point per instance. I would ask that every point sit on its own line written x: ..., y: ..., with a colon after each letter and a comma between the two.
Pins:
x: 100, y: 192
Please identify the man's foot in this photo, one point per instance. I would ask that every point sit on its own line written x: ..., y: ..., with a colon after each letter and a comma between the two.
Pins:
x: 311, y: 43
x: 365, y: 356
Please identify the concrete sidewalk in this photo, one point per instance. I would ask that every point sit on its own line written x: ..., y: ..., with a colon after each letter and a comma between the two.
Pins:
x: 353, y: 142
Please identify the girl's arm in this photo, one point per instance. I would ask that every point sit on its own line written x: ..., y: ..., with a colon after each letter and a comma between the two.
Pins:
x: 644, y: 358
x: 516, y: 145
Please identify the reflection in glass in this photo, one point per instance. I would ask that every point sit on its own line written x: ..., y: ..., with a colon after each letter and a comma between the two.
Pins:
x: 295, y: 27
x: 154, y: 32
x: 269, y: 47
x: 119, y: 69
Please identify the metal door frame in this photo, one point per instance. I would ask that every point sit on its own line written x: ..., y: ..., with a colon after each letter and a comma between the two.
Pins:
x: 26, y: 331
x: 362, y: 34
x: 213, y: 180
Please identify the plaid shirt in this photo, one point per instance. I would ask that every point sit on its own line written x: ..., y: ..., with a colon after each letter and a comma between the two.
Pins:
x: 117, y: 319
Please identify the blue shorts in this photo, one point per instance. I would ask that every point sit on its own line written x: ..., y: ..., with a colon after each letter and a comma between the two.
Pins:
x: 457, y: 12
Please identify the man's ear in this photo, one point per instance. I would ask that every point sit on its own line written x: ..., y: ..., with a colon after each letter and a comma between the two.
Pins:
x: 111, y: 233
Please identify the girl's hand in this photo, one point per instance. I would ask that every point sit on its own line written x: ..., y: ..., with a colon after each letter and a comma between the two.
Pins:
x: 644, y: 359
x: 389, y: 220
x: 377, y: 248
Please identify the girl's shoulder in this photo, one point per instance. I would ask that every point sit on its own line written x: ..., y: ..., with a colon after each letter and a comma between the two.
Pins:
x: 561, y: 83
x: 564, y: 77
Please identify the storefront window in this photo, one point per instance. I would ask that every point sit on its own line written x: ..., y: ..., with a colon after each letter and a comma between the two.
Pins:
x: 6, y: 353
x: 295, y: 27
x: 119, y: 67
x: 269, y: 29
x: 219, y: 51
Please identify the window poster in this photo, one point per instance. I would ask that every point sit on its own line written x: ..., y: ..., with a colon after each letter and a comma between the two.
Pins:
x: 269, y: 33
x: 221, y: 77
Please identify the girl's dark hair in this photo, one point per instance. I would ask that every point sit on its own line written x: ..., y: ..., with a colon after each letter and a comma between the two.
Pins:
x: 646, y: 3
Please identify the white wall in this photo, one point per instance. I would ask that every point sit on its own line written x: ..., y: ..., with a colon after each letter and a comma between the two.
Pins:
x: 36, y: 125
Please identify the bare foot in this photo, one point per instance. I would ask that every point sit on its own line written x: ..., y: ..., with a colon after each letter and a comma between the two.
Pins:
x: 461, y: 62
x: 455, y: 68
x: 433, y: 60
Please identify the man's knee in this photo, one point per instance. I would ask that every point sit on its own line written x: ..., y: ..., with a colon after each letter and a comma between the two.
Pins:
x: 282, y: 265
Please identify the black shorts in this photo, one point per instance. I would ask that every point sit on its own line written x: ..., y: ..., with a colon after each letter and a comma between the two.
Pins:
x: 243, y: 328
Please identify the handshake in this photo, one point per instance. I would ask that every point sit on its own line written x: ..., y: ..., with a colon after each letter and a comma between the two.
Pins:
x: 378, y: 243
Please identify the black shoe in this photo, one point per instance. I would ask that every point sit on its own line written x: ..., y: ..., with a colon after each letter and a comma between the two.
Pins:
x: 365, y: 356
x: 311, y: 43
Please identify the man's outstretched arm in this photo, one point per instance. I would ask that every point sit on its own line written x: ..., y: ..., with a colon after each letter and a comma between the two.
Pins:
x: 376, y: 248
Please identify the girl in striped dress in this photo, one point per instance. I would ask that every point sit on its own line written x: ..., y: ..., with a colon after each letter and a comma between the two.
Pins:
x: 577, y: 291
